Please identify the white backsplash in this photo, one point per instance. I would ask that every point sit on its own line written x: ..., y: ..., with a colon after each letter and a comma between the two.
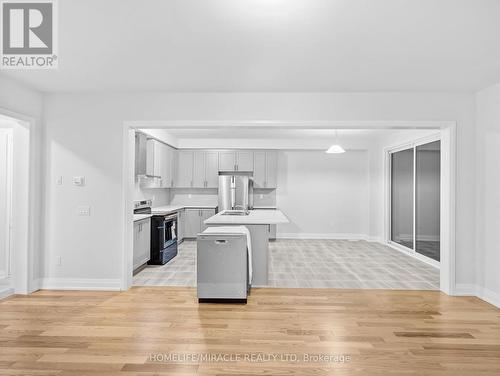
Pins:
x: 193, y: 196
x: 264, y: 197
x: 160, y: 196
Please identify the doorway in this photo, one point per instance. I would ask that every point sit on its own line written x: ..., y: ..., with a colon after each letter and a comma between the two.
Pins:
x: 17, y: 206
x: 447, y: 134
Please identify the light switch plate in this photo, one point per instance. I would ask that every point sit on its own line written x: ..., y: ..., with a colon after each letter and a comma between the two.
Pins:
x: 79, y: 181
x: 59, y: 180
x: 83, y: 211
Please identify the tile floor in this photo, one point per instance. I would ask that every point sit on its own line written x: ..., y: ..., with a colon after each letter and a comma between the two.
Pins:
x: 313, y: 263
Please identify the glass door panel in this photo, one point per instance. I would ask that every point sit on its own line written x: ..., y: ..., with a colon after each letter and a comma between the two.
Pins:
x: 402, y: 197
x: 428, y: 188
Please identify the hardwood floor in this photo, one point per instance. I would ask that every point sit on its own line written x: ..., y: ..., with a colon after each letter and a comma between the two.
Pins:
x: 379, y: 332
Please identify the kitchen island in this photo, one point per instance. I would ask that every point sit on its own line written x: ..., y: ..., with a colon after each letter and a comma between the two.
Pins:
x: 257, y: 222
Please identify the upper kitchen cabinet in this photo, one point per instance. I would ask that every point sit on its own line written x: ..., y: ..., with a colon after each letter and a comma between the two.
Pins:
x: 153, y: 159
x: 227, y: 161
x: 265, y: 169
x: 244, y: 161
x: 212, y: 169
x: 197, y: 169
x: 236, y: 161
x: 185, y: 164
x: 199, y: 180
x: 159, y: 164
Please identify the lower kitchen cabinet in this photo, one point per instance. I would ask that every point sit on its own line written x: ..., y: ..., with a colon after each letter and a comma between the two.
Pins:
x: 193, y: 221
x: 142, y: 242
x: 180, y: 225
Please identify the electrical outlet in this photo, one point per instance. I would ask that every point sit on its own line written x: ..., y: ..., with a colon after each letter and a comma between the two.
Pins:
x: 190, y: 195
x: 261, y: 196
x: 83, y: 211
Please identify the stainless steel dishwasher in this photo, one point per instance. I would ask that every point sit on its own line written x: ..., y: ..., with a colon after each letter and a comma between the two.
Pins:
x: 222, y: 267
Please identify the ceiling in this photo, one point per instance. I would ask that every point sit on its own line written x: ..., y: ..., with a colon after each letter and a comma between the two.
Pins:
x: 268, y: 138
x: 266, y: 133
x: 274, y: 45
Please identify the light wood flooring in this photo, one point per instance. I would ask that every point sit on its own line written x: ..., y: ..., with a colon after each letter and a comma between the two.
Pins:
x: 378, y: 332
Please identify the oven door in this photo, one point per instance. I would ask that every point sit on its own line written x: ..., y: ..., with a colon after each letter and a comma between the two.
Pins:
x: 169, y: 233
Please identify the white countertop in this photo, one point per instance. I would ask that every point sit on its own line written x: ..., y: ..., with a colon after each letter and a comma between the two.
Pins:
x: 256, y: 217
x: 139, y: 217
x: 167, y: 209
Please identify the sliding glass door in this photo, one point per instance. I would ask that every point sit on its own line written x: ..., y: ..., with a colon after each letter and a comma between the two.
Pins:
x: 415, y: 198
x: 402, y: 197
x: 427, y: 199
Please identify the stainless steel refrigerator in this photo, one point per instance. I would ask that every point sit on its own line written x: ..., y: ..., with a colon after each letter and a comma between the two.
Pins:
x: 235, y: 190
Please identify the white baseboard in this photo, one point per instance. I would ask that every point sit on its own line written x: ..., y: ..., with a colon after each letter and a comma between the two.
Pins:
x: 415, y: 255
x: 5, y: 292
x: 462, y: 289
x: 79, y: 284
x: 465, y: 289
x: 305, y: 236
x: 489, y: 296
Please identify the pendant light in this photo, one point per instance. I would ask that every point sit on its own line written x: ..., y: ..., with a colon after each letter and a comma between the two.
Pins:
x: 336, y: 148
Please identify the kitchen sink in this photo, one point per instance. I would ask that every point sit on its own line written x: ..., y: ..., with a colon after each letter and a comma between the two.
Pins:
x: 236, y: 212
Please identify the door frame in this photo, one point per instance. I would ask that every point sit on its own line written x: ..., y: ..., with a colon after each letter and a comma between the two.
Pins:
x: 25, y: 212
x: 448, y: 176
x: 447, y: 204
x: 8, y: 197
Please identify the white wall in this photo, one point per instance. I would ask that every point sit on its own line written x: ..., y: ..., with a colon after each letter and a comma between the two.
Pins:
x: 84, y: 136
x: 487, y: 178
x: 323, y: 195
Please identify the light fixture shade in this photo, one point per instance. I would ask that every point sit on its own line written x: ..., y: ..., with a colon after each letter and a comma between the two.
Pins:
x: 335, y: 149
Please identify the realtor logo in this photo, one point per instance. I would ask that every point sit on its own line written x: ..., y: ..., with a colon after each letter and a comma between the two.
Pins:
x: 28, y: 34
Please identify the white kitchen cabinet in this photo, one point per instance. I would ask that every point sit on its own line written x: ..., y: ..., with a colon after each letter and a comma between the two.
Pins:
x: 168, y: 162
x: 211, y: 169
x: 174, y: 157
x: 244, y: 161
x: 184, y: 169
x: 160, y: 159
x: 265, y: 169
x: 236, y: 160
x: 259, y: 172
x: 271, y: 169
x: 205, y: 214
x: 227, y: 161
x: 142, y: 242
x: 153, y: 158
x: 193, y: 221
x: 180, y: 225
x: 199, y: 169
